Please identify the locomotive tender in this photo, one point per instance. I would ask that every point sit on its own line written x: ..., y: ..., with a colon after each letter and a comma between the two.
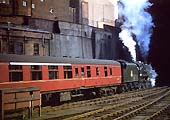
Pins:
x: 62, y: 79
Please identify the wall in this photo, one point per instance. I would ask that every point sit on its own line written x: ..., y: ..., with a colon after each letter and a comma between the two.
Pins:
x: 59, y: 17
x: 62, y: 10
x: 53, y: 10
x: 74, y: 41
x: 103, y: 44
x: 22, y: 42
x: 100, y: 12
x: 5, y: 8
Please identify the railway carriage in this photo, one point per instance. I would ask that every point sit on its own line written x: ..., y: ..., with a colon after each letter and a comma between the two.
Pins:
x: 60, y: 79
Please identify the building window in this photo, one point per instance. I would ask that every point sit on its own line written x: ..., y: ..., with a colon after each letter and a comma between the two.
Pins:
x: 42, y: 0
x: 105, y: 71
x: 11, y: 47
x: 15, y: 47
x: 97, y: 71
x: 24, y: 3
x: 5, y: 2
x: 33, y: 6
x: 15, y: 73
x: 109, y: 36
x: 110, y: 71
x: 76, y: 72
x: 67, y: 72
x: 53, y: 72
x: 88, y: 71
x: 18, y: 48
x: 36, y: 49
x: 36, y: 72
x: 82, y: 71
x: 51, y: 10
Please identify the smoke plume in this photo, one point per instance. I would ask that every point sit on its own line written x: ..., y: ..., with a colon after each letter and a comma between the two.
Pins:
x: 136, y: 22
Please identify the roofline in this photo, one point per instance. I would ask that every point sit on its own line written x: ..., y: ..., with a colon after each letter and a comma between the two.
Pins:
x: 49, y: 59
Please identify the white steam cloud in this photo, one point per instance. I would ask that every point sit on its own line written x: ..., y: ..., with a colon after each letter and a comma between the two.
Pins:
x: 136, y: 21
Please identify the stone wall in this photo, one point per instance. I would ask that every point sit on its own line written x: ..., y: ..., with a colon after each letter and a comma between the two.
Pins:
x: 74, y: 41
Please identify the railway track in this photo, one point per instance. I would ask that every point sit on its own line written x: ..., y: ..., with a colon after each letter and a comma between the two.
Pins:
x: 122, y: 110
x: 118, y: 107
x: 102, y: 100
x: 90, y: 108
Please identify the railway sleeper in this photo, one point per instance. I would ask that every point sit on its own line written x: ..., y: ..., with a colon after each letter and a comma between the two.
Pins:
x: 105, y: 109
x: 158, y: 113
x: 128, y: 115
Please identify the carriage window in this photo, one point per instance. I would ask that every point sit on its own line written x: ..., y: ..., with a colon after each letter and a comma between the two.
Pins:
x: 105, y: 71
x: 110, y: 71
x: 82, y: 72
x: 35, y: 67
x: 15, y: 67
x: 15, y: 73
x: 97, y: 71
x: 67, y: 72
x: 36, y: 72
x: 76, y: 72
x: 88, y: 71
x: 53, y: 72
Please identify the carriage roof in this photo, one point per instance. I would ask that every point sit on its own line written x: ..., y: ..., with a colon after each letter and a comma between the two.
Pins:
x: 50, y: 59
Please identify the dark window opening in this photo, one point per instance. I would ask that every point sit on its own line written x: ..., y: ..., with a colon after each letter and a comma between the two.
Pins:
x: 110, y: 71
x: 15, y: 47
x: 105, y: 71
x: 26, y: 21
x: 53, y: 72
x: 11, y: 47
x: 56, y: 28
x: 15, y: 73
x: 88, y: 71
x: 97, y: 71
x: 19, y: 48
x: 76, y: 72
x: 109, y: 37
x: 36, y: 49
x: 73, y: 3
x: 67, y: 72
x: 82, y: 72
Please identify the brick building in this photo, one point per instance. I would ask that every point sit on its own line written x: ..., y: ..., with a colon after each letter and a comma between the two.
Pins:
x: 62, y: 28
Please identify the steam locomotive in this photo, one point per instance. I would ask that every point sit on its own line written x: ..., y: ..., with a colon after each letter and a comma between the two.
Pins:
x: 64, y: 79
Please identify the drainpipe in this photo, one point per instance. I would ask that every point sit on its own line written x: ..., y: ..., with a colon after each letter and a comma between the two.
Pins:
x: 8, y: 35
x: 82, y: 28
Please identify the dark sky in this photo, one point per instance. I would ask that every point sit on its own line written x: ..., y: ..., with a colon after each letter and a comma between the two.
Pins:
x: 159, y: 54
